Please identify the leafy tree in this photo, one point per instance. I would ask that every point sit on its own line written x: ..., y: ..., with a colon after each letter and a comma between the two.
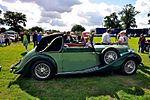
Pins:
x: 148, y: 16
x: 55, y: 31
x: 36, y: 28
x: 77, y: 28
x: 17, y: 28
x: 1, y: 20
x: 14, y: 20
x: 128, y: 16
x: 112, y: 21
x: 2, y: 30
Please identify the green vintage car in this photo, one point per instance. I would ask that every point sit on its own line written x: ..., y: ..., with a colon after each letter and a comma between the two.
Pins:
x: 53, y: 57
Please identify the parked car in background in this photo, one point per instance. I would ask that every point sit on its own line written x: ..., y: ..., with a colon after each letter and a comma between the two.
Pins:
x: 13, y: 36
x: 53, y: 57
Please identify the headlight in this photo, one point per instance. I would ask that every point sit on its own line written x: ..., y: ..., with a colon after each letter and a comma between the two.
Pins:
x: 131, y: 50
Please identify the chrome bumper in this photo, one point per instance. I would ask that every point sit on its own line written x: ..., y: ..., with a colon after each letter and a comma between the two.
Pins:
x: 13, y: 67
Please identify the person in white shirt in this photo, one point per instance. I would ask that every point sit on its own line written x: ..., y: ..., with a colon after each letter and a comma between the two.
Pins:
x: 106, y: 37
x: 123, y: 39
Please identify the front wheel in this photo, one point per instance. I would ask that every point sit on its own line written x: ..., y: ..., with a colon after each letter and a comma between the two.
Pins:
x: 129, y: 67
x: 109, y: 55
x: 42, y: 70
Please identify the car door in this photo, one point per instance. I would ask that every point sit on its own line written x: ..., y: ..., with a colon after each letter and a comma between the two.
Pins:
x: 54, y: 50
x: 78, y: 59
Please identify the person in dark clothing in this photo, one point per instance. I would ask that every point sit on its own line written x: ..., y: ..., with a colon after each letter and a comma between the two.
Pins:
x: 7, y: 42
x: 21, y: 36
x: 141, y: 43
x: 28, y: 37
x: 39, y: 37
x: 35, y: 38
x: 68, y: 38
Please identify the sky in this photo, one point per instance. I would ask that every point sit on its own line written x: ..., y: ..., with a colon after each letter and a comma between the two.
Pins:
x: 63, y: 14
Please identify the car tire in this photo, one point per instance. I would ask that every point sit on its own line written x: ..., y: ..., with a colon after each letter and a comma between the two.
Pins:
x: 109, y: 55
x: 129, y: 67
x: 42, y: 70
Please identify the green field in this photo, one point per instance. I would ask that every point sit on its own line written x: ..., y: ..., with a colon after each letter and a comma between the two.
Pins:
x: 95, y: 87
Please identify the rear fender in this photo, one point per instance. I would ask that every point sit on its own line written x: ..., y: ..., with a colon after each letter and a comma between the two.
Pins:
x: 24, y: 69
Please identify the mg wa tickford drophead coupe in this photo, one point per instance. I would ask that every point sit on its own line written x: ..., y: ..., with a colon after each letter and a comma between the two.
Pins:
x: 52, y: 57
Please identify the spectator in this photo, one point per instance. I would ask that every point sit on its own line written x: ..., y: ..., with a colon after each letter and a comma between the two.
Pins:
x: 35, y: 38
x: 39, y: 37
x: 106, y: 37
x: 1, y: 39
x: 68, y: 38
x: 6, y: 36
x: 141, y: 43
x: 25, y: 41
x: 117, y: 36
x: 91, y: 36
x: 88, y: 43
x: 28, y: 37
x: 123, y: 39
x: 21, y: 36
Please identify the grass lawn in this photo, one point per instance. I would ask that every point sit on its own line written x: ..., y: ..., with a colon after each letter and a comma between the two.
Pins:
x: 95, y: 87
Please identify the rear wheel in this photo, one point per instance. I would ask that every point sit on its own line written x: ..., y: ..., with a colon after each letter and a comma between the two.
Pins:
x: 129, y: 67
x: 42, y: 70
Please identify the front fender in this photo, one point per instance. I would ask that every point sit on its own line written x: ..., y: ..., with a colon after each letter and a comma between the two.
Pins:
x: 24, y: 68
x: 117, y: 64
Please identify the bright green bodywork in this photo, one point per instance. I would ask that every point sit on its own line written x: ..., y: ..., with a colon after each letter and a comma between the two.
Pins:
x: 75, y: 59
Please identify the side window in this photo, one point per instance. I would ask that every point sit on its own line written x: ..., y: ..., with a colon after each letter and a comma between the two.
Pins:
x: 55, y: 45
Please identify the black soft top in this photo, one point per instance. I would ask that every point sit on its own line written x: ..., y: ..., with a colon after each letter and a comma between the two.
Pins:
x: 45, y: 40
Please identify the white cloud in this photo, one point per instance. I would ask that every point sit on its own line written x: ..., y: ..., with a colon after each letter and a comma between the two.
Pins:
x: 62, y: 15
x: 144, y: 7
x: 31, y: 10
x: 3, y: 8
x: 55, y: 5
x: 89, y: 15
x: 57, y: 22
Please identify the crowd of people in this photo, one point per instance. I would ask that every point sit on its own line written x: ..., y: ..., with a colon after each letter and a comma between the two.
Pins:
x: 25, y: 38
x: 121, y: 38
x: 70, y: 37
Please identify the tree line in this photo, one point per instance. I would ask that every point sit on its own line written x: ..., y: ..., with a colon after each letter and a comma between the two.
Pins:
x: 16, y: 21
x: 125, y: 19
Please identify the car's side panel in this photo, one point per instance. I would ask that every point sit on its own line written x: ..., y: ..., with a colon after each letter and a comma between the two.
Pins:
x: 75, y: 60
x: 57, y: 56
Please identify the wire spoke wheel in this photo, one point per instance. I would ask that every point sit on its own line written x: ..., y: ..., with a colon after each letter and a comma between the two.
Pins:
x: 42, y: 70
x: 129, y: 67
x: 110, y: 56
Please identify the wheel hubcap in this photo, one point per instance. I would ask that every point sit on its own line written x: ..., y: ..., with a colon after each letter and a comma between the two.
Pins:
x: 42, y: 70
x: 130, y: 67
x: 110, y: 56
